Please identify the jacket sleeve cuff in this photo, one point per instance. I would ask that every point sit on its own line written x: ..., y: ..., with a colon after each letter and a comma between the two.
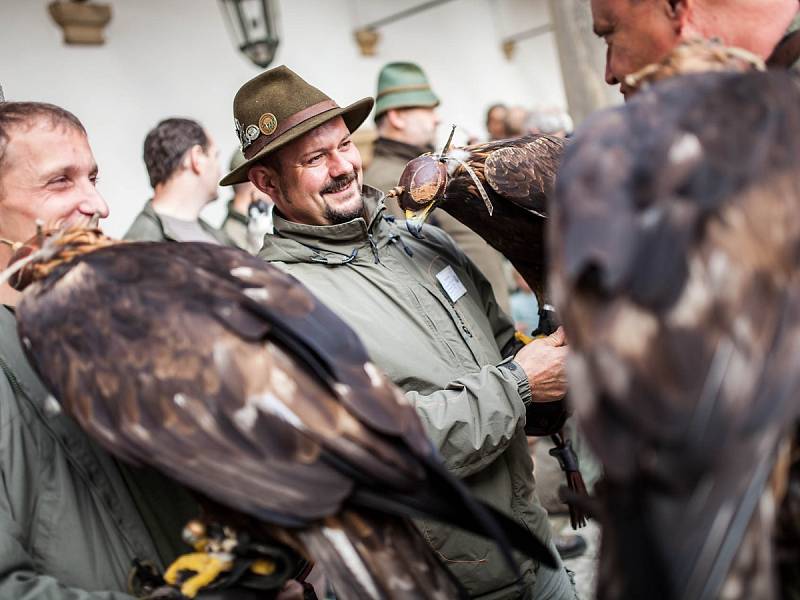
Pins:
x: 523, y: 385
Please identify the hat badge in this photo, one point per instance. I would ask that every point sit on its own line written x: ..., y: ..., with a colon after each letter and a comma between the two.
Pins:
x: 268, y: 123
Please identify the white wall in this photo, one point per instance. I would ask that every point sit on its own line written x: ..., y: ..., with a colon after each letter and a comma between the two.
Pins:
x: 175, y: 58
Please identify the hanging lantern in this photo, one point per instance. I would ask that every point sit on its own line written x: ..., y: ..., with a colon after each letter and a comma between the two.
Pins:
x: 254, y: 23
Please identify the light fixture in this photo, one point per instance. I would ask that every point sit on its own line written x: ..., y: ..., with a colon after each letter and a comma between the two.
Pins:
x: 82, y: 22
x: 254, y: 23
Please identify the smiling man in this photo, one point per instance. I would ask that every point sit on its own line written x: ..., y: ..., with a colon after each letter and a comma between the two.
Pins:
x: 48, y: 173
x: 642, y: 32
x: 426, y: 315
x: 72, y: 519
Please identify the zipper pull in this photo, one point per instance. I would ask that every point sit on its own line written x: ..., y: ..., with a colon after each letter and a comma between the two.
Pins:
x: 374, y: 248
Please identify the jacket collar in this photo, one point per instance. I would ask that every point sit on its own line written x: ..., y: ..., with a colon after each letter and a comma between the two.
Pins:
x: 331, y: 244
x: 386, y: 147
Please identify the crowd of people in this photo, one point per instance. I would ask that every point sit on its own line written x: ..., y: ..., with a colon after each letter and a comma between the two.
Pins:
x: 434, y: 314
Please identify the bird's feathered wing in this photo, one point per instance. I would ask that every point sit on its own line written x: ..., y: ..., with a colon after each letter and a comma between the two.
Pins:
x: 517, y: 175
x: 676, y: 240
x: 229, y: 376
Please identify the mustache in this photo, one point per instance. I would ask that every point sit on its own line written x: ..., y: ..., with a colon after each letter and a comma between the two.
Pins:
x: 337, y: 184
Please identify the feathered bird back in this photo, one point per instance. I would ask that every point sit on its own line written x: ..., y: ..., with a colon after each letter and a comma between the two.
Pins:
x: 676, y: 241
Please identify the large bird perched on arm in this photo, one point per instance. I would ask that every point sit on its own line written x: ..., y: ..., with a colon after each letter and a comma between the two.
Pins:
x: 675, y: 253
x: 227, y: 375
x: 497, y: 189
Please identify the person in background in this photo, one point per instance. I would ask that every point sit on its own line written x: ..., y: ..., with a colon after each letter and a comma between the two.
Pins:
x: 183, y: 166
x: 550, y: 121
x: 249, y: 215
x: 524, y: 306
x: 516, y: 118
x: 496, y: 122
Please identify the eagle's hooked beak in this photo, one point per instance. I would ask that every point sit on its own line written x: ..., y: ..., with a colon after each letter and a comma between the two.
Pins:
x: 415, y: 219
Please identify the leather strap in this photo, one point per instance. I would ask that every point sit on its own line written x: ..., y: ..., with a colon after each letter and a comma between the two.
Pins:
x: 286, y: 124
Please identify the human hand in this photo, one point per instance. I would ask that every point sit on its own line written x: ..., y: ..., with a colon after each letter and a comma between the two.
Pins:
x: 544, y: 362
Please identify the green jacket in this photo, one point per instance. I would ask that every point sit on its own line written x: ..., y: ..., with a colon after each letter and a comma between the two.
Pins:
x: 445, y: 355
x: 384, y: 173
x: 149, y: 227
x: 71, y: 517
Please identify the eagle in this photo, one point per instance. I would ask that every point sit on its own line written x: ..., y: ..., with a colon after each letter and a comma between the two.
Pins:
x: 675, y: 245
x: 498, y: 189
x: 228, y: 376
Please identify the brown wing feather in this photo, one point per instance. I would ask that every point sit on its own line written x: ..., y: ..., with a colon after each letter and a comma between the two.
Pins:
x: 675, y: 255
x: 164, y: 364
x: 524, y: 172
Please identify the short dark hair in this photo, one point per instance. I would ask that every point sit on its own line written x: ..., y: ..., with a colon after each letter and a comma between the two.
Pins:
x: 26, y: 114
x: 167, y: 143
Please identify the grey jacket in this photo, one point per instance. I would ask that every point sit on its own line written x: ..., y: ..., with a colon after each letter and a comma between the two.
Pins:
x: 72, y: 518
x: 445, y: 354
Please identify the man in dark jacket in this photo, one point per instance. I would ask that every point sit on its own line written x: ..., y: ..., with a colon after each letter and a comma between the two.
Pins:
x: 72, y: 518
x: 183, y: 165
x: 426, y: 315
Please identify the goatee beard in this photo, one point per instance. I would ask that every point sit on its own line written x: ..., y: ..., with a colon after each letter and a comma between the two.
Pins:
x: 336, y: 215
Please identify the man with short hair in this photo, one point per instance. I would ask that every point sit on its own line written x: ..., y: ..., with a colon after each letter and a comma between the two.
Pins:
x: 642, y: 32
x: 249, y: 215
x: 72, y: 518
x: 183, y: 165
x: 426, y: 315
x: 405, y: 114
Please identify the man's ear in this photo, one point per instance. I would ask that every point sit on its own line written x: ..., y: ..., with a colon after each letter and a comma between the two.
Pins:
x: 396, y: 118
x: 265, y: 179
x: 195, y: 156
x: 678, y: 12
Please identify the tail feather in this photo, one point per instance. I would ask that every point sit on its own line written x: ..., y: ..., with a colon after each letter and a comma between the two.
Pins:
x: 371, y: 556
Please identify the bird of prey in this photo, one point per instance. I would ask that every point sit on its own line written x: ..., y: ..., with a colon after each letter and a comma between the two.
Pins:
x: 498, y: 189
x: 675, y: 247
x: 230, y: 377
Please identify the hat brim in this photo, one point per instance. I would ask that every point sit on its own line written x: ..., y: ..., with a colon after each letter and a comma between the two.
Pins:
x: 412, y: 99
x: 354, y: 115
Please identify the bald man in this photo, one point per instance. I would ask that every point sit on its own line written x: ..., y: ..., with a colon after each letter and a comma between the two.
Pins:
x: 641, y: 32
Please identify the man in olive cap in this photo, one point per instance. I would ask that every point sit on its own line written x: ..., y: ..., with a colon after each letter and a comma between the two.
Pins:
x: 405, y: 115
x: 426, y: 315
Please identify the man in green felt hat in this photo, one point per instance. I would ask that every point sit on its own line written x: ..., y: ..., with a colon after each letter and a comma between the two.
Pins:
x: 405, y: 115
x: 406, y: 119
x: 427, y: 317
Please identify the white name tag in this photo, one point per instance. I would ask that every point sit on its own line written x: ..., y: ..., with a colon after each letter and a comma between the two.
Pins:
x: 451, y: 283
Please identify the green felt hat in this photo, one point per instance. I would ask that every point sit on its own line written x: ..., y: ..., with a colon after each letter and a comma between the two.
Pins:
x: 278, y: 106
x: 403, y: 85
